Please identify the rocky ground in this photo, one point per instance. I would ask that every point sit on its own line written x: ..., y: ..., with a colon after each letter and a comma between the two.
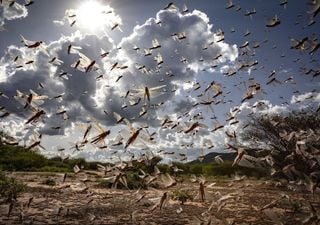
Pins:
x: 227, y: 202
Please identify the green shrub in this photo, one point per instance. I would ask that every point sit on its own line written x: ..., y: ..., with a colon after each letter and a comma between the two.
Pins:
x: 292, y: 204
x: 196, y: 169
x: 49, y: 182
x: 296, y: 206
x: 182, y: 196
x: 134, y: 181
x: 10, y: 188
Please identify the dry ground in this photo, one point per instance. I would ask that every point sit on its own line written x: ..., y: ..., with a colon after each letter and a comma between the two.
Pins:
x: 60, y: 204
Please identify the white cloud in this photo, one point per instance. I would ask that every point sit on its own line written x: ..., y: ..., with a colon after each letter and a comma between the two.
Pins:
x: 84, y: 97
x: 3, y: 76
x: 16, y: 11
x: 13, y: 126
x: 317, y: 97
x: 58, y: 23
x: 265, y: 107
x: 302, y: 97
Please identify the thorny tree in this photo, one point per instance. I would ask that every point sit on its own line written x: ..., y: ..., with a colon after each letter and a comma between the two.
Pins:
x: 291, y: 144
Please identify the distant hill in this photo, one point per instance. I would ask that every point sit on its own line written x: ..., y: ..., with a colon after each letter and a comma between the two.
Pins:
x: 210, y: 157
x: 230, y: 156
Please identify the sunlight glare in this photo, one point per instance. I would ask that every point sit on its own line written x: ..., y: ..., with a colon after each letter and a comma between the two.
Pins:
x: 93, y: 16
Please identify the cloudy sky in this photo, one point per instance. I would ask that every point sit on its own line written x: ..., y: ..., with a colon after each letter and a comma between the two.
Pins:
x: 147, y: 65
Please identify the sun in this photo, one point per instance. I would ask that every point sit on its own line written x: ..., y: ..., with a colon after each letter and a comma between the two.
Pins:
x: 94, y: 16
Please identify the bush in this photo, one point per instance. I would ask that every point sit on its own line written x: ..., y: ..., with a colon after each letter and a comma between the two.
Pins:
x: 18, y: 158
x: 49, y: 182
x: 10, y: 188
x: 294, y: 205
x: 196, y: 169
x: 133, y: 182
x: 182, y: 196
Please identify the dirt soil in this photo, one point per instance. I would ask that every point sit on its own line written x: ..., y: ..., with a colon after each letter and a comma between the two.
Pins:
x: 227, y: 202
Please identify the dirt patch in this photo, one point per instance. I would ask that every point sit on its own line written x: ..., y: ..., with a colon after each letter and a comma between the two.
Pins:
x: 241, y: 202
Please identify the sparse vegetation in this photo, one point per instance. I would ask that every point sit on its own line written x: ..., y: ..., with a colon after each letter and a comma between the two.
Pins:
x: 16, y: 158
x: 182, y: 195
x: 296, y: 206
x: 20, y: 159
x: 49, y: 182
x: 222, y: 170
x: 10, y: 188
x: 134, y: 181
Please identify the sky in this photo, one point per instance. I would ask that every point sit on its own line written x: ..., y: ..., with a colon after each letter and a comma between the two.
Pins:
x: 88, y: 66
